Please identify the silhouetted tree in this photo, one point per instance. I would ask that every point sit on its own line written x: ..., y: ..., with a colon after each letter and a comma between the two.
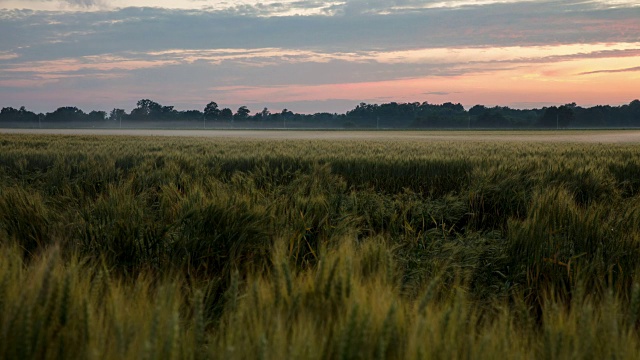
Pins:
x: 146, y: 110
x: 453, y: 107
x: 632, y: 113
x: 242, y: 113
x: 97, y: 116
x: 211, y: 111
x: 286, y: 113
x: 477, y: 110
x: 557, y: 117
x: 168, y: 113
x: 492, y: 118
x: 226, y: 114
x: 22, y: 115
x: 66, y: 114
x: 263, y: 115
x: 191, y: 115
x: 117, y: 114
x: 389, y: 115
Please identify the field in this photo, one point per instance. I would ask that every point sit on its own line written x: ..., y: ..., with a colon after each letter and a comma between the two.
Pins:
x: 350, y: 245
x: 581, y: 136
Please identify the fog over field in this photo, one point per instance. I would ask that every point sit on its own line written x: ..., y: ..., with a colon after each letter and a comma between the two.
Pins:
x: 581, y: 136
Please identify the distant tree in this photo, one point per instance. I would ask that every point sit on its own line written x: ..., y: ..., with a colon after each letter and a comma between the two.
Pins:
x: 492, y: 118
x: 557, y: 117
x: 421, y: 122
x: 365, y: 112
x: 633, y: 113
x: 242, y: 113
x: 97, y: 116
x: 477, y: 110
x: 168, y: 113
x: 453, y: 107
x: 264, y: 114
x: 286, y: 113
x: 22, y: 115
x: 191, y: 115
x: 393, y: 114
x: 325, y: 118
x: 226, y: 114
x: 550, y: 117
x: 275, y: 117
x: 66, y: 114
x: 117, y: 114
x: 146, y: 109
x: 9, y: 114
x: 211, y: 111
x: 597, y: 116
x: 286, y: 116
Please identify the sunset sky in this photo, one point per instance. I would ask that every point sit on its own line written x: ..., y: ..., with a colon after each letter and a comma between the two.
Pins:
x: 310, y: 56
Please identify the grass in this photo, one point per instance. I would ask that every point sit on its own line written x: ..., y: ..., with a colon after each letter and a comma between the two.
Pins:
x: 128, y: 247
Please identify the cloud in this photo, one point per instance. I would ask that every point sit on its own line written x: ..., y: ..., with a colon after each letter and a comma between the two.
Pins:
x: 8, y: 55
x: 610, y: 71
x: 56, y: 5
x: 86, y: 3
x: 50, y: 35
x: 285, y: 66
x: 279, y: 8
x: 102, y: 63
x: 438, y: 93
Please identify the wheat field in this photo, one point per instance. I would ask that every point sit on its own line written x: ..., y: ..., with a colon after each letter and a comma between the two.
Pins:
x: 398, y: 247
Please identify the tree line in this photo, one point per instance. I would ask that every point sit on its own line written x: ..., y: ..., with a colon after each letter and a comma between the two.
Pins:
x: 388, y: 115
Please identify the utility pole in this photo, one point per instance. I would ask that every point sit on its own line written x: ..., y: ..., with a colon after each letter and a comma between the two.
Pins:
x: 557, y: 121
x: 378, y: 123
x: 469, y: 126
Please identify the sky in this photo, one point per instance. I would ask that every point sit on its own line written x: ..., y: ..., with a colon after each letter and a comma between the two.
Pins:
x: 317, y: 56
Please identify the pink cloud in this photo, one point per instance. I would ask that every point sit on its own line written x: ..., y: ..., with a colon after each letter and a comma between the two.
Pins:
x: 106, y: 63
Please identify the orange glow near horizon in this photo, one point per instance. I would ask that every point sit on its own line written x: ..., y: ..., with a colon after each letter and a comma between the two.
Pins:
x: 561, y: 82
